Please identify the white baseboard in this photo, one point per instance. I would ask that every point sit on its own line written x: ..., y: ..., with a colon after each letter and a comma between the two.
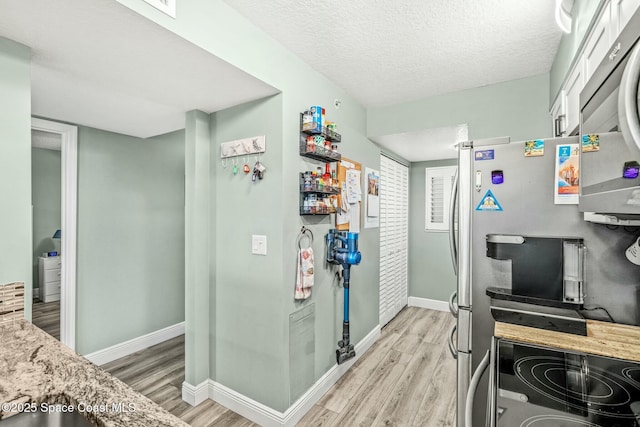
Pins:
x: 36, y: 293
x: 268, y: 417
x: 428, y: 303
x: 195, y: 395
x: 126, y: 348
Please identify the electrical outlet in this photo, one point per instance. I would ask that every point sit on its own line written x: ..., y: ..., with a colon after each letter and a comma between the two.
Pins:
x: 258, y: 244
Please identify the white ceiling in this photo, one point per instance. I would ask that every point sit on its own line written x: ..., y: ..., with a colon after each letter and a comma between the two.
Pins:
x: 385, y: 52
x: 428, y: 144
x: 99, y: 64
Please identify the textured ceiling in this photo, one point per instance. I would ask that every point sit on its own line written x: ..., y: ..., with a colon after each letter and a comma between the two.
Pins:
x: 99, y: 64
x: 386, y: 52
x: 428, y: 144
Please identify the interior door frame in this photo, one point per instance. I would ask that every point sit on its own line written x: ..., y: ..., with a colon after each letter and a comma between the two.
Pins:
x: 69, y: 214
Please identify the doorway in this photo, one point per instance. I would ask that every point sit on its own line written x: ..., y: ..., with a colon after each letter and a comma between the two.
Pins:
x: 68, y: 140
x: 394, y: 237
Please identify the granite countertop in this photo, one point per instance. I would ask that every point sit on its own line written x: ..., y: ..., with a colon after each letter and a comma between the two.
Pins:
x: 35, y: 368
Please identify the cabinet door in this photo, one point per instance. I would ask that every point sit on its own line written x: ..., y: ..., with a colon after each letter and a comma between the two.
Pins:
x: 574, y: 86
x: 559, y: 115
x: 599, y: 42
x: 621, y: 12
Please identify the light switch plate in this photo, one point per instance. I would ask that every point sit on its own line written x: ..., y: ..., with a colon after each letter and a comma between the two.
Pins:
x: 258, y: 244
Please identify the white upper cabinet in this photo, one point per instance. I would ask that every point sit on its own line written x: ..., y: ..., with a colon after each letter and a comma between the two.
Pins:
x: 573, y: 87
x: 599, y: 42
x: 621, y: 12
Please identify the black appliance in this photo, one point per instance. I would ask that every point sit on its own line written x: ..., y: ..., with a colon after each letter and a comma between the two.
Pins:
x: 544, y: 387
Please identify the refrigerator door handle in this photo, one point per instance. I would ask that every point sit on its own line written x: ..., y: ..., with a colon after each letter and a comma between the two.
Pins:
x: 452, y: 221
x: 471, y: 393
x: 453, y: 307
x: 452, y: 346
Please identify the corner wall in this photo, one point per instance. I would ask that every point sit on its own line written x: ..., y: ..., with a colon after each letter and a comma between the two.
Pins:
x: 47, y: 203
x: 517, y: 108
x: 431, y: 274
x: 130, y: 236
x: 15, y: 166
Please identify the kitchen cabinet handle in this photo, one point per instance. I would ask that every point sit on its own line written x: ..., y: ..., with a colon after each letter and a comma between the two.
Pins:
x: 453, y: 307
x: 471, y: 393
x: 452, y: 221
x: 452, y: 347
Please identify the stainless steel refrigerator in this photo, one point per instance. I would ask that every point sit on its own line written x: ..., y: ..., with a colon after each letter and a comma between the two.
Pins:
x: 504, y: 188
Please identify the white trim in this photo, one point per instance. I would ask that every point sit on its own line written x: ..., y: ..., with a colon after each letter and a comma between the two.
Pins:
x: 126, y: 348
x: 266, y: 416
x: 432, y: 304
x: 195, y: 395
x: 69, y: 183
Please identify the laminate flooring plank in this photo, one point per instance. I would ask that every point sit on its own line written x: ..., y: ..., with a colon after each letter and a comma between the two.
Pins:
x: 46, y: 316
x: 438, y: 332
x: 203, y: 414
x: 364, y: 407
x: 399, y: 324
x: 438, y: 406
x: 404, y: 401
x: 317, y: 417
x: 127, y: 365
x: 230, y: 419
x: 348, y: 385
x: 164, y: 395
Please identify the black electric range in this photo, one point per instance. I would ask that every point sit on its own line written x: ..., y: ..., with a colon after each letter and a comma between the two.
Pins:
x: 544, y: 387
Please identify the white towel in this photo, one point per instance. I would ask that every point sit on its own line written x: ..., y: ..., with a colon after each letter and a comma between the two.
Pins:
x: 304, y: 276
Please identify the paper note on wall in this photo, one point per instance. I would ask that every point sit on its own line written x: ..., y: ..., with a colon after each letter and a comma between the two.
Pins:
x: 354, y: 190
x: 354, y: 218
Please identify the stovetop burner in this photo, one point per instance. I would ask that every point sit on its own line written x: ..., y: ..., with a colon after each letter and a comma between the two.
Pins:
x: 633, y: 375
x: 557, y: 421
x: 591, y: 389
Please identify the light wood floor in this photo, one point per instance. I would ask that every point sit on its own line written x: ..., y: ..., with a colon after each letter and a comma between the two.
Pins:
x: 407, y: 378
x: 46, y: 316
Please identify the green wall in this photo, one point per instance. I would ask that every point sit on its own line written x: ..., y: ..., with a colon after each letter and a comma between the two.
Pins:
x: 249, y: 289
x: 244, y: 283
x: 431, y: 273
x: 517, y: 108
x: 47, y: 206
x: 15, y: 166
x: 130, y: 236
x: 583, y: 12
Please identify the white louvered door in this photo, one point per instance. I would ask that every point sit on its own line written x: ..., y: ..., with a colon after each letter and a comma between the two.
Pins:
x: 394, y: 236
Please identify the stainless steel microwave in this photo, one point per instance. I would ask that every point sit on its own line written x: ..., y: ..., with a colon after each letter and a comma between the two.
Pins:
x: 610, y: 133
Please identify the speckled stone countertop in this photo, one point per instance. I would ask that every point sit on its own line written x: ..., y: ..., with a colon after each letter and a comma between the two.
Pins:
x: 35, y: 368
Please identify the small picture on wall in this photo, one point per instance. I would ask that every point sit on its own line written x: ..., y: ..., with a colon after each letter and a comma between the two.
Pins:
x: 373, y: 198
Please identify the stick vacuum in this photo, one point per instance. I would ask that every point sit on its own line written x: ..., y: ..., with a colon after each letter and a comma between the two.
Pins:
x: 342, y: 249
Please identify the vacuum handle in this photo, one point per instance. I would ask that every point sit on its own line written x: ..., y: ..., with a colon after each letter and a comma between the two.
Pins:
x: 471, y: 393
x: 452, y: 221
x: 452, y: 346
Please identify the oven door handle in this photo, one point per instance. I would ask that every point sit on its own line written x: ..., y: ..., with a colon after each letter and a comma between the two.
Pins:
x: 473, y: 386
x: 628, y: 100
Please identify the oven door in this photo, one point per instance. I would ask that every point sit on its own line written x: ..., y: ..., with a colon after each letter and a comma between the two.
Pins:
x: 540, y: 387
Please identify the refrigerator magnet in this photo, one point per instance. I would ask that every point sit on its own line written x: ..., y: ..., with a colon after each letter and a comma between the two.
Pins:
x: 534, y: 148
x: 485, y: 154
x: 489, y: 203
x: 497, y: 177
x: 567, y: 174
x: 590, y: 143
